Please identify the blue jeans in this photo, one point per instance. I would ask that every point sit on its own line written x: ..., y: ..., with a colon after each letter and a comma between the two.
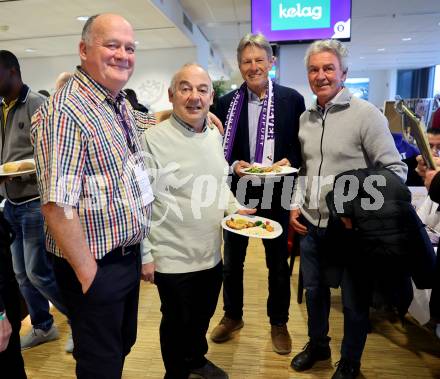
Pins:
x: 32, y: 268
x: 356, y: 321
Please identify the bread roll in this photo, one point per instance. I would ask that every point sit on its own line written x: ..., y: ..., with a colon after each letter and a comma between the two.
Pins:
x: 12, y: 167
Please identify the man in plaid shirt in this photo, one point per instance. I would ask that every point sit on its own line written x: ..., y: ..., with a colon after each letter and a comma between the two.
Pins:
x: 96, y: 196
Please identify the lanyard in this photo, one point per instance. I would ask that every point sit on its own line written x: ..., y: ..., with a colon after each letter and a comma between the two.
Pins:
x: 122, y: 117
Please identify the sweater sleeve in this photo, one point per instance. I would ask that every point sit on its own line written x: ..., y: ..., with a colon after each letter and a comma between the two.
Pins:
x: 152, y: 166
x: 146, y: 255
x: 378, y: 144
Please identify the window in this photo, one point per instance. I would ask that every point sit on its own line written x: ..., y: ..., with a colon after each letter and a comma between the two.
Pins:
x: 359, y: 87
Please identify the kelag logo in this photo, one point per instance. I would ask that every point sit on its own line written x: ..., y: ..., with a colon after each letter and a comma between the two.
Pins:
x: 300, y: 14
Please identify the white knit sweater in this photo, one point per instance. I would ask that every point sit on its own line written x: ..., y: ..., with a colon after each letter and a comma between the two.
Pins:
x: 191, y: 198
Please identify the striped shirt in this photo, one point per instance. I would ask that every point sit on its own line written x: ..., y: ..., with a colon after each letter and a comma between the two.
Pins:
x: 84, y: 163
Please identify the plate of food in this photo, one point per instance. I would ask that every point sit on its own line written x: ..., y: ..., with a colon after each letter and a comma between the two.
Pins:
x: 252, y: 226
x: 18, y: 168
x: 274, y: 170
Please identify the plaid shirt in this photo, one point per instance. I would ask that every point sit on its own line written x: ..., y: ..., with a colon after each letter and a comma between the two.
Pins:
x: 83, y: 161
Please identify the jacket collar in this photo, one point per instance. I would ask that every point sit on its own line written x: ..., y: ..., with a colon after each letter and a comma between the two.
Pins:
x: 341, y: 99
x: 24, y: 93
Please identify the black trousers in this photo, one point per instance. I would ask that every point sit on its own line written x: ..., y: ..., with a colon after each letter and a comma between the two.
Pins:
x: 188, y: 301
x: 434, y: 304
x: 104, y: 320
x: 11, y: 361
x: 235, y: 246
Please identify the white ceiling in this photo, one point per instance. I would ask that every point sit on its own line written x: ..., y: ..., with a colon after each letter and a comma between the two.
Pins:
x: 50, y: 27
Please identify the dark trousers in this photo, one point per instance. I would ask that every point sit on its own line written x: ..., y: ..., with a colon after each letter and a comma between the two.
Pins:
x: 356, y: 319
x: 188, y: 301
x: 11, y: 361
x: 276, y: 261
x: 434, y: 304
x: 104, y: 320
x: 33, y: 269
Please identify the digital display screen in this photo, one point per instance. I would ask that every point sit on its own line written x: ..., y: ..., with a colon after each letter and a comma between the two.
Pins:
x: 284, y: 21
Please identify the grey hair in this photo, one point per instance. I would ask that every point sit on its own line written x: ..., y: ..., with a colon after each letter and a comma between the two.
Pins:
x: 87, y: 28
x: 258, y: 40
x: 173, y: 83
x: 330, y: 46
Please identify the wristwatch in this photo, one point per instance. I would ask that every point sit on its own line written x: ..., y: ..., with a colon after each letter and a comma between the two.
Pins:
x: 2, y: 316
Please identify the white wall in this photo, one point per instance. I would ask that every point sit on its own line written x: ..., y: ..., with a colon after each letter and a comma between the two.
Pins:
x: 293, y: 74
x: 151, y: 78
x: 174, y: 11
x: 382, y: 84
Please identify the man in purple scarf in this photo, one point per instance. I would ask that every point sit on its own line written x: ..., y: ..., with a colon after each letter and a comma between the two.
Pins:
x: 261, y: 127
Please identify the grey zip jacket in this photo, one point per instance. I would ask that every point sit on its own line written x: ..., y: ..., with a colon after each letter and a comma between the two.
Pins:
x: 350, y: 133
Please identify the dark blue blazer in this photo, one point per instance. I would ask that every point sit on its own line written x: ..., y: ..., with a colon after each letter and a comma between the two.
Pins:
x: 288, y: 107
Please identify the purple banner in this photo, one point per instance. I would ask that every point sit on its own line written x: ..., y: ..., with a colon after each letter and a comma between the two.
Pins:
x: 305, y: 17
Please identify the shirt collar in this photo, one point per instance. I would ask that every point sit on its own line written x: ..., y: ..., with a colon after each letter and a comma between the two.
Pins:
x: 10, y: 105
x: 342, y: 98
x: 187, y: 126
x: 253, y: 97
x: 95, y: 90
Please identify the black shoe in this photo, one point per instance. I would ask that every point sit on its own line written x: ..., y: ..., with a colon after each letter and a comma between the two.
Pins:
x: 346, y: 369
x: 310, y: 355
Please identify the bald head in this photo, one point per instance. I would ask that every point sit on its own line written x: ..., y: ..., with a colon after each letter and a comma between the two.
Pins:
x: 107, y: 50
x: 193, y: 67
x: 191, y: 95
x: 62, y: 79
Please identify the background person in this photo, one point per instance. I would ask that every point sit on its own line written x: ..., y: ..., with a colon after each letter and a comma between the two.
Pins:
x: 132, y: 98
x: 62, y: 79
x: 11, y: 361
x: 22, y: 210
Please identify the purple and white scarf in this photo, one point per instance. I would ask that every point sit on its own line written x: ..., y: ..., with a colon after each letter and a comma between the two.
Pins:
x: 264, y: 149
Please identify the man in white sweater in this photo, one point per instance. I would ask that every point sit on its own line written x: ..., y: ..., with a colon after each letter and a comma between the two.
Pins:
x: 182, y: 254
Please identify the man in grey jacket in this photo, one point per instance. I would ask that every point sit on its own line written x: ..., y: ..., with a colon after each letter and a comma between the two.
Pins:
x: 22, y: 209
x: 338, y: 133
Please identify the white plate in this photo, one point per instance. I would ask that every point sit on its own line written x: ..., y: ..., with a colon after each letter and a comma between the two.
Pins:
x: 285, y: 170
x: 18, y: 173
x: 257, y: 231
